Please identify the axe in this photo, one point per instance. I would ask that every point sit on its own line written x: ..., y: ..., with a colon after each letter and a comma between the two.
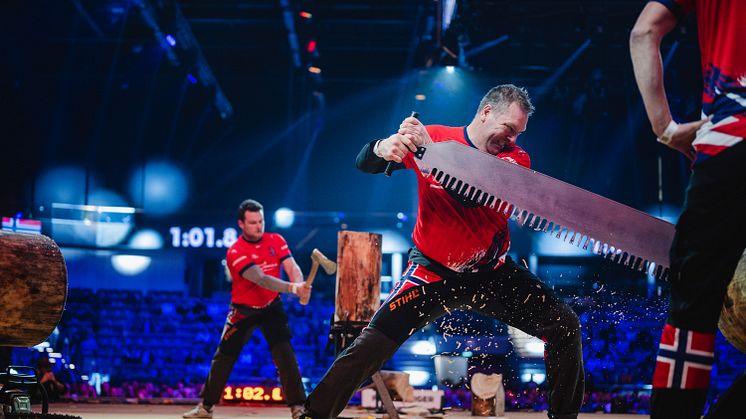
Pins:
x: 318, y: 258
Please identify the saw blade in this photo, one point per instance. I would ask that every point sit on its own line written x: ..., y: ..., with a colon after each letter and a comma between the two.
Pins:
x: 623, y: 234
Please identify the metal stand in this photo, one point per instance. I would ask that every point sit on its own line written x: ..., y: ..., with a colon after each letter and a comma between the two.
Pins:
x: 342, y: 333
x: 383, y: 393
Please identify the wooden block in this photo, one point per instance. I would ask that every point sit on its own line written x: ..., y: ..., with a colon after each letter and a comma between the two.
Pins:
x: 33, y: 288
x: 358, y: 276
x: 732, y: 322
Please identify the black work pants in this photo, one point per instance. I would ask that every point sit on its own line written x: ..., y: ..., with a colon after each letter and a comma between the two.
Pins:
x: 239, y: 326
x: 511, y: 294
x: 710, y: 238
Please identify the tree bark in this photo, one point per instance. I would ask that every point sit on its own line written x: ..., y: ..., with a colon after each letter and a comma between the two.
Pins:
x: 33, y: 288
x: 358, y: 276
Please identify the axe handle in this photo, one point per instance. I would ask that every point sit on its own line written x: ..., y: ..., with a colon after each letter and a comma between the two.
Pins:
x: 309, y: 280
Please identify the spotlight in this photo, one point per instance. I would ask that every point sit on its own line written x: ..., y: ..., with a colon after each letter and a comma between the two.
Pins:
x: 423, y: 347
x: 146, y: 239
x: 417, y: 377
x: 284, y: 217
x: 130, y: 265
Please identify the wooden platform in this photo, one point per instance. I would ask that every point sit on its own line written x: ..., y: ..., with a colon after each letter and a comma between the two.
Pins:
x: 122, y: 411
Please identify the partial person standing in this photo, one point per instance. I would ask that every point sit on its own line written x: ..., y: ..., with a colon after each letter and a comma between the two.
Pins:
x: 254, y: 262
x: 710, y: 235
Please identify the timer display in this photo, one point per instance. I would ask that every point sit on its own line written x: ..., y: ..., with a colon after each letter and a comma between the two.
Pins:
x: 252, y: 394
x: 202, y: 237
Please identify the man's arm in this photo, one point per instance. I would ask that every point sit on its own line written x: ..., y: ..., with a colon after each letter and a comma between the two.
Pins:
x: 374, y: 156
x: 255, y: 274
x: 368, y: 162
x: 292, y: 269
x: 655, y: 21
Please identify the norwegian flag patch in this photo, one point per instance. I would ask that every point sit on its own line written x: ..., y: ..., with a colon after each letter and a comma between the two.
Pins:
x: 685, y: 359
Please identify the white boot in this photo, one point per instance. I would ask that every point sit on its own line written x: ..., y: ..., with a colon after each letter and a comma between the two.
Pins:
x: 199, y: 412
x: 296, y: 410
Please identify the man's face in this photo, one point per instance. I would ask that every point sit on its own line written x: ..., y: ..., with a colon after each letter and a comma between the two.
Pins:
x: 502, y: 128
x: 252, y: 225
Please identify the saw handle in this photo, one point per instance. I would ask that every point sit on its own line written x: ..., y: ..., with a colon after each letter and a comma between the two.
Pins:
x: 390, y: 165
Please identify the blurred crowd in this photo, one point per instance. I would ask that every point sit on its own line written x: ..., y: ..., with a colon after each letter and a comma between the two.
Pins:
x: 159, y: 345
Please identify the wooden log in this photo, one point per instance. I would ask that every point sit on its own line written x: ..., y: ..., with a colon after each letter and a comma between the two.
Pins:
x: 358, y: 276
x: 398, y: 385
x: 732, y: 322
x: 33, y: 288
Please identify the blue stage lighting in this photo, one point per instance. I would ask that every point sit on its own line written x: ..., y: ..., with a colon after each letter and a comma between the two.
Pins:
x: 130, y: 265
x: 159, y: 188
x: 284, y: 217
x: 146, y: 239
x: 65, y: 184
x: 423, y: 347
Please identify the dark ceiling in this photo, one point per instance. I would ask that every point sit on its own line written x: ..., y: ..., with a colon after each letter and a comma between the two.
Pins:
x: 92, y: 83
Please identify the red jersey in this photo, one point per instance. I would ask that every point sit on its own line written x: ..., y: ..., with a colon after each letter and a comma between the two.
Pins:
x: 267, y: 253
x: 721, y: 25
x: 461, y: 238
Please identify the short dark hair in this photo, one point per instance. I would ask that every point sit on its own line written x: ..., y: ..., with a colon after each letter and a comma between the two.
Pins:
x: 500, y: 97
x: 248, y: 205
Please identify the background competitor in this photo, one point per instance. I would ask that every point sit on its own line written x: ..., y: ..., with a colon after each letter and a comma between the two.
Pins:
x: 254, y: 262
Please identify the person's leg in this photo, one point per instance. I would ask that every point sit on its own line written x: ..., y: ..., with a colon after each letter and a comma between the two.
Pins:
x: 237, y: 330
x: 517, y: 297
x: 730, y: 404
x: 274, y: 326
x: 705, y: 251
x: 412, y: 303
x: 360, y: 360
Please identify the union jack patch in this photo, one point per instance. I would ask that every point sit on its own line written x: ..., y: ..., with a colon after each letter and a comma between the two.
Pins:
x: 685, y: 359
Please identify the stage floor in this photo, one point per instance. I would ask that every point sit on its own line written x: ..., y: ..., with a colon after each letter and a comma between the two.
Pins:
x: 117, y: 411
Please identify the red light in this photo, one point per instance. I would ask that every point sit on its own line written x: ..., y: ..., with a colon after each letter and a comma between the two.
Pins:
x: 311, y: 47
x: 305, y: 15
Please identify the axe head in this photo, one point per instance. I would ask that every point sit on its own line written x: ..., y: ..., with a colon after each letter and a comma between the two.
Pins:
x: 326, y: 264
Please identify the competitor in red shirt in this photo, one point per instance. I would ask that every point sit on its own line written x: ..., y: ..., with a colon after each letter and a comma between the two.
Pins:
x: 254, y: 262
x: 459, y: 262
x: 710, y: 237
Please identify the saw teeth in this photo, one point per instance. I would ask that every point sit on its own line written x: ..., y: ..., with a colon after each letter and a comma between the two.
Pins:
x: 526, y: 218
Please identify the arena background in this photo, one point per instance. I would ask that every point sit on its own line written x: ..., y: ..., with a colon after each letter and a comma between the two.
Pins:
x: 131, y: 129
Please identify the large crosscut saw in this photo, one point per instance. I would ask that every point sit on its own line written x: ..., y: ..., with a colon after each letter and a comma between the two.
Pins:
x: 605, y: 227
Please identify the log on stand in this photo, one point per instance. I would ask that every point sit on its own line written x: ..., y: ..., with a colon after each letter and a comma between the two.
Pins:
x: 358, y: 276
x: 33, y: 288
x: 358, y: 288
x: 358, y: 296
